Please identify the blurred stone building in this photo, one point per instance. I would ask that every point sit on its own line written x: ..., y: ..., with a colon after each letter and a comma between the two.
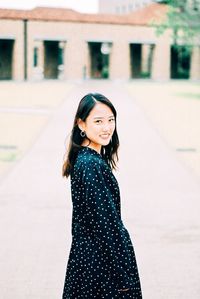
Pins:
x: 121, y: 6
x: 53, y: 43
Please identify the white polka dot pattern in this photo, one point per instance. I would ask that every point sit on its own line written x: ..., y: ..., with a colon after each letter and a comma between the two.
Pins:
x: 102, y: 259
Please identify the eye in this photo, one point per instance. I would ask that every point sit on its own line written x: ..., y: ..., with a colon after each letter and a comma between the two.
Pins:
x: 98, y: 121
x: 111, y: 120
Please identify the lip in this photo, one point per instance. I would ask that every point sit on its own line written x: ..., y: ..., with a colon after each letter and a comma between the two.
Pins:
x: 105, y: 136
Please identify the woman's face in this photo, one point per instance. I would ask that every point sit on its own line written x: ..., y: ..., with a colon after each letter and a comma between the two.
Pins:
x: 98, y: 126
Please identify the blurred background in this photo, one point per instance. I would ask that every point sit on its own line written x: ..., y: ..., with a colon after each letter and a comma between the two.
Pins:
x: 144, y: 56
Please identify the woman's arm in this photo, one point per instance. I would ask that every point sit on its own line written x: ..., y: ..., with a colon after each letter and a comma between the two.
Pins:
x: 106, y: 223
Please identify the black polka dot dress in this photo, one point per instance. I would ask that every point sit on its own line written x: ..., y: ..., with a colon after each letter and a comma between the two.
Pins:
x: 101, y: 259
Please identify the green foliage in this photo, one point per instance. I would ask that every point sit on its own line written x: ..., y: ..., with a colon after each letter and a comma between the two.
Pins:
x: 145, y: 75
x: 183, y: 20
x: 105, y: 72
x: 8, y: 157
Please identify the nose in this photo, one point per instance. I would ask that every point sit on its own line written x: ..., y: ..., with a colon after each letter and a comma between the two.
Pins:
x: 106, y: 127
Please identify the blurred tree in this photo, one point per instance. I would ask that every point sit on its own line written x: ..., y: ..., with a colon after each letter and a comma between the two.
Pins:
x: 183, y: 18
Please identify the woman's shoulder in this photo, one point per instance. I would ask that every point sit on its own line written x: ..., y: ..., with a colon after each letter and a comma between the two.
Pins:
x: 89, y: 158
x: 90, y: 162
x: 87, y: 155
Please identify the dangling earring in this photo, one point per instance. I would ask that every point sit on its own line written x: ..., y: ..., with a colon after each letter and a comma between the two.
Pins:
x: 82, y: 133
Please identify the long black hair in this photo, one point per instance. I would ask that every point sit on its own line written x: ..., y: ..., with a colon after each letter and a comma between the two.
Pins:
x: 108, y: 152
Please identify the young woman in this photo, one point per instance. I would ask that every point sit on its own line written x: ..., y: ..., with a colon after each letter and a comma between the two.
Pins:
x: 101, y: 262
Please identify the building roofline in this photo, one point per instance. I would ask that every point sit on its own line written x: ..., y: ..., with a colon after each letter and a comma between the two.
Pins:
x: 142, y: 17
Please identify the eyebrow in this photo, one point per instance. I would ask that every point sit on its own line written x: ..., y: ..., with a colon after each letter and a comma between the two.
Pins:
x: 100, y: 117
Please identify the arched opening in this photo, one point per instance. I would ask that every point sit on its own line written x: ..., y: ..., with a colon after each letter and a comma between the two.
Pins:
x: 180, y: 61
x: 6, y: 59
x: 99, y: 60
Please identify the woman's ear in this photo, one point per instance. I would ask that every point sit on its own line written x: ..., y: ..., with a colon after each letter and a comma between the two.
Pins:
x: 81, y: 124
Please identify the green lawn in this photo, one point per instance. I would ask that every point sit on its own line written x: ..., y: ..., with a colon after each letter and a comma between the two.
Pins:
x: 24, y: 110
x: 174, y: 109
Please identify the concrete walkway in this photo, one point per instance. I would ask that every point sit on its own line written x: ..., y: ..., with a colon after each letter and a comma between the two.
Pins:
x: 160, y: 208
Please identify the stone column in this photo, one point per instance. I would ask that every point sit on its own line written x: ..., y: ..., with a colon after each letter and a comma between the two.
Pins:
x: 120, y: 61
x: 145, y: 57
x: 76, y: 54
x: 61, y: 67
x: 41, y: 57
x: 195, y: 64
x: 17, y: 61
x: 161, y: 60
x: 39, y: 69
x: 87, y: 64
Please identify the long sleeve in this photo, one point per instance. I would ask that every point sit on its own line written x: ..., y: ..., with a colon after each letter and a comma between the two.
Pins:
x: 105, y: 220
x: 102, y: 259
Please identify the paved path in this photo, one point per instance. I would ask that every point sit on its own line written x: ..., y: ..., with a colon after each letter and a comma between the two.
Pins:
x: 160, y: 208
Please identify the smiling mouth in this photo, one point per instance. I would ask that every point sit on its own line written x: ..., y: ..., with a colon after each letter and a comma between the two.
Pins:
x: 105, y: 136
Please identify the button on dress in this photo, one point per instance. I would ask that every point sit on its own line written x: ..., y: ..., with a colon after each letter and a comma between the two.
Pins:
x: 101, y: 259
